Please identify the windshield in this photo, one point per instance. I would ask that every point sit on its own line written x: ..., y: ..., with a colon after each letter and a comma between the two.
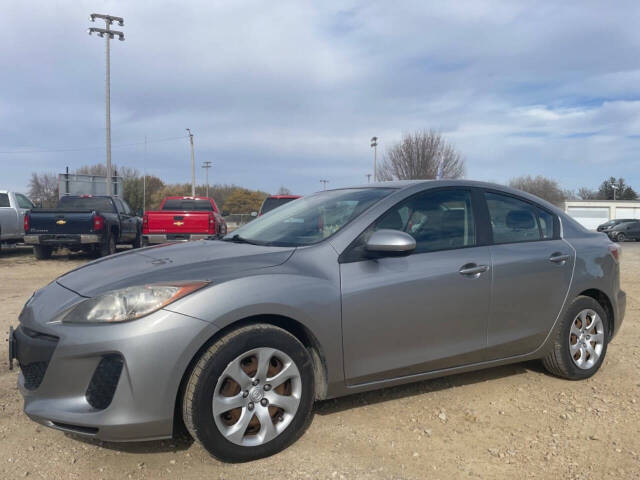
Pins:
x: 310, y: 219
x: 102, y: 204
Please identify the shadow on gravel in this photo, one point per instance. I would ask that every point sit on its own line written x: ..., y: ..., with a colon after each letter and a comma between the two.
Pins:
x: 181, y: 443
x: 342, y: 404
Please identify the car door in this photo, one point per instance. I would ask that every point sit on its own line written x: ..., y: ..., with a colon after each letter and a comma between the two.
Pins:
x: 532, y: 270
x: 633, y: 231
x: 8, y: 218
x: 131, y: 220
x: 23, y: 206
x: 125, y: 221
x: 425, y: 311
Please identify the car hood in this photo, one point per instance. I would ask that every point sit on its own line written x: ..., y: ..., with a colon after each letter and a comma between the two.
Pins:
x: 201, y: 260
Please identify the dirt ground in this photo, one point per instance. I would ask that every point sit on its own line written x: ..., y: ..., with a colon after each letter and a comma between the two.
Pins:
x: 507, y: 422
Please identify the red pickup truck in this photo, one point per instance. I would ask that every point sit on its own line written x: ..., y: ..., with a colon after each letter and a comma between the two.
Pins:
x: 183, y: 219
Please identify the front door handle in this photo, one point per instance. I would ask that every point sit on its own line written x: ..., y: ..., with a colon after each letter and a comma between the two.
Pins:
x: 559, y: 257
x: 472, y: 269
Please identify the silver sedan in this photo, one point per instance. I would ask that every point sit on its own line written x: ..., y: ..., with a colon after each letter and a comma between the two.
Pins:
x: 339, y: 292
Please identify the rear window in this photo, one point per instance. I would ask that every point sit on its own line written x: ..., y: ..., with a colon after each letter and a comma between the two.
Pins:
x: 101, y: 204
x: 270, y: 203
x: 187, y: 204
x: 4, y: 200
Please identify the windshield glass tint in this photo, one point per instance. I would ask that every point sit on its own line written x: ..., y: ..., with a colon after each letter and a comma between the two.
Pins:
x: 187, y: 205
x: 310, y: 219
x: 101, y: 204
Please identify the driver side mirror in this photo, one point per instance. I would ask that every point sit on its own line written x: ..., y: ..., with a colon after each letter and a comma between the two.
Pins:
x: 254, y: 214
x: 387, y: 243
x: 140, y: 212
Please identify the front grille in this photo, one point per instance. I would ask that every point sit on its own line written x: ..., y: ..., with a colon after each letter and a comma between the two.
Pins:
x: 104, y: 381
x: 33, y: 374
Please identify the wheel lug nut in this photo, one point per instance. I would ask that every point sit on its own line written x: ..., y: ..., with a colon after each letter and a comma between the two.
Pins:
x: 267, y: 387
x: 245, y: 394
x: 250, y: 406
x: 255, y: 382
x: 264, y: 402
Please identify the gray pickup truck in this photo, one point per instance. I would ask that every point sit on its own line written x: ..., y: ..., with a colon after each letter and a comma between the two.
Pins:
x: 13, y: 207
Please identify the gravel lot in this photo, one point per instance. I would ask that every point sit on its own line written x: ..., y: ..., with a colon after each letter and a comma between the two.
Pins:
x: 506, y: 422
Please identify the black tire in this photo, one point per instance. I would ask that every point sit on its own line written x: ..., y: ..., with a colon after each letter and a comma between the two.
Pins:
x: 559, y: 362
x: 198, y: 396
x: 620, y: 237
x: 42, y: 252
x: 108, y: 247
x: 137, y: 243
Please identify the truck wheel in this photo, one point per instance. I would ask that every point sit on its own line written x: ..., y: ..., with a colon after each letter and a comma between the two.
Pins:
x: 42, y: 252
x: 108, y: 247
x: 137, y: 243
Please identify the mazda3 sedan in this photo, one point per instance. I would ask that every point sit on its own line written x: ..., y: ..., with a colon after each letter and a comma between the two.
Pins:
x: 339, y: 292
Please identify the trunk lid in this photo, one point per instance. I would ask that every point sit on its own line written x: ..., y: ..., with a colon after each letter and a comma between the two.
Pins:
x: 167, y: 221
x: 53, y: 221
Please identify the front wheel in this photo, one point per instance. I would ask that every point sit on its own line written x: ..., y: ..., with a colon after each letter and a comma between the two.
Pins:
x: 580, y: 343
x: 620, y: 237
x: 250, y: 394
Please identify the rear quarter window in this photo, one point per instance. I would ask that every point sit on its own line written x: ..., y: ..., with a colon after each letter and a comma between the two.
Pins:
x: 4, y: 200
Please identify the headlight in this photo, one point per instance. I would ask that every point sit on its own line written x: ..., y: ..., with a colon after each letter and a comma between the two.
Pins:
x: 129, y: 303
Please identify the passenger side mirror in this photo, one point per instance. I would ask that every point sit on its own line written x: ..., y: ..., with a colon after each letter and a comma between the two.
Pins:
x: 390, y: 243
x: 225, y: 213
x: 254, y: 214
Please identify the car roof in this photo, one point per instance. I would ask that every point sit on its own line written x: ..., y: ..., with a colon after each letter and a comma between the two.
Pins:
x: 187, y: 198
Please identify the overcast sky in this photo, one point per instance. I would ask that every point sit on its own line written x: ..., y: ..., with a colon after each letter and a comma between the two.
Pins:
x: 288, y: 93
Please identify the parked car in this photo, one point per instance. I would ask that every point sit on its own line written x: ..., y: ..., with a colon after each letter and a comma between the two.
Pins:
x: 275, y: 201
x: 406, y: 281
x: 13, y: 207
x: 91, y: 223
x: 182, y: 219
x: 629, y: 230
x: 612, y: 223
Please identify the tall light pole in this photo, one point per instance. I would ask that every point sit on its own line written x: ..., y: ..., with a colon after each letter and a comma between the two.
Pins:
x: 324, y: 184
x: 207, y: 166
x: 614, y: 187
x: 109, y: 35
x: 368, y: 175
x: 193, y: 165
x: 374, y: 145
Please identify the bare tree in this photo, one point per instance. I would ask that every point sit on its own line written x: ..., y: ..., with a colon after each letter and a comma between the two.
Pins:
x: 421, y: 155
x: 283, y: 191
x: 585, y: 193
x: 542, y: 187
x: 43, y: 189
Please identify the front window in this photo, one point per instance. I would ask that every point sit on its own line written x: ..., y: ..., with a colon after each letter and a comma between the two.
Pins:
x: 310, y: 219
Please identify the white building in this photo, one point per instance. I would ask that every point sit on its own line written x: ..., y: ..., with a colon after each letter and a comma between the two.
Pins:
x: 591, y: 213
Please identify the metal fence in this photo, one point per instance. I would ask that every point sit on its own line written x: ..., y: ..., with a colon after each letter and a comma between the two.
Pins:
x: 80, y: 184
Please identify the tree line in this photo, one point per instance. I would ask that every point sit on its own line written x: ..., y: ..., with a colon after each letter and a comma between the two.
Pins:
x: 146, y: 193
x: 423, y: 154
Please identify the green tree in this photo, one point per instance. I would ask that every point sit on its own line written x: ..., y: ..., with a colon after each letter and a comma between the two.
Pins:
x: 243, y: 200
x: 622, y: 190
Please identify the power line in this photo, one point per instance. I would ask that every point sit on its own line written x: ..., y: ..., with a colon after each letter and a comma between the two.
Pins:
x: 80, y: 149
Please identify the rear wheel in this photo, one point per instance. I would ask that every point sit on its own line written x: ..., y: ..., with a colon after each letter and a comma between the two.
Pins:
x: 108, y: 246
x: 581, y: 341
x: 250, y: 395
x: 42, y: 252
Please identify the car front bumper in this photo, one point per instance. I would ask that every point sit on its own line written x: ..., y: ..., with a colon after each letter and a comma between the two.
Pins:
x: 115, y: 382
x: 62, y: 239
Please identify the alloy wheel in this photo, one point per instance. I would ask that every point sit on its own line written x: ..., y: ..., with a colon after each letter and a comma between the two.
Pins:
x: 257, y: 396
x: 586, y: 339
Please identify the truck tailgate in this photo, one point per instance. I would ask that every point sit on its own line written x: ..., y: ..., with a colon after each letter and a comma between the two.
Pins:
x: 51, y: 221
x: 167, y: 221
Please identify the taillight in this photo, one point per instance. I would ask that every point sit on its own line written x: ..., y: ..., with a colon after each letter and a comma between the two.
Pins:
x: 27, y: 224
x: 98, y: 223
x: 145, y: 223
x: 615, y: 251
x: 212, y: 224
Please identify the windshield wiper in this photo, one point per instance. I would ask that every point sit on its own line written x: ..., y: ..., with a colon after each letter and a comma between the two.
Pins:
x: 238, y: 239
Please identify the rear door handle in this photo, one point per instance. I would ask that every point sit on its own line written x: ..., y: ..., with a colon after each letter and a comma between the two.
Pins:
x: 558, y: 257
x: 472, y: 269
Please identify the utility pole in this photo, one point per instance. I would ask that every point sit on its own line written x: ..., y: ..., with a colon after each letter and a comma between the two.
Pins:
x: 193, y: 165
x: 207, y: 166
x: 374, y: 145
x: 324, y: 184
x: 109, y: 35
x: 368, y: 175
x: 144, y: 178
